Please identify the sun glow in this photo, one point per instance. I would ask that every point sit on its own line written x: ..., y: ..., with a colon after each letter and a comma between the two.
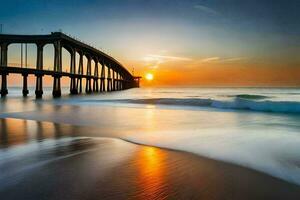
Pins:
x: 149, y: 76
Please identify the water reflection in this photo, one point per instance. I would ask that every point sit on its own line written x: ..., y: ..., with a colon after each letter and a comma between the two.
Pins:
x: 151, y: 173
x: 18, y: 131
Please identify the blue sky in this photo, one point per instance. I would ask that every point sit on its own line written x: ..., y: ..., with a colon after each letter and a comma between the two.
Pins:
x: 188, y: 21
x: 161, y: 31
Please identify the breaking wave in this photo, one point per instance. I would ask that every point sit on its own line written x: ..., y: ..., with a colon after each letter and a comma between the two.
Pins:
x: 239, y: 102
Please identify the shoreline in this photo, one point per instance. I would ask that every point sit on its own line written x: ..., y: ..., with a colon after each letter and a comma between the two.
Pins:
x: 97, y: 132
x: 138, y: 171
x: 211, y: 159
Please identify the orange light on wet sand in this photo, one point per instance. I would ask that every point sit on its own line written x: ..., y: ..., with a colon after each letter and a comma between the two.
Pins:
x: 151, y: 174
x: 149, y: 76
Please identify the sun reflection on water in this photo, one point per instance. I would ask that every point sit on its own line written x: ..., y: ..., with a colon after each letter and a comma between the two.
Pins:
x: 151, y: 173
x: 19, y: 131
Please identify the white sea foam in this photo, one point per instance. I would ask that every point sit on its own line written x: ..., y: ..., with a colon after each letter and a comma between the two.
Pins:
x: 274, y: 152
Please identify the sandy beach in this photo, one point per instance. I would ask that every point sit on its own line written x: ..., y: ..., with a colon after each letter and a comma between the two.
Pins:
x: 64, y: 165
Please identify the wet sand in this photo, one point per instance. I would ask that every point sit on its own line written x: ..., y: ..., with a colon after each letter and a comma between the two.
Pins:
x: 64, y: 165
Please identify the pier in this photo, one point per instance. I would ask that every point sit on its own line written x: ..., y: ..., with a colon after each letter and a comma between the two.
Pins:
x: 108, y: 74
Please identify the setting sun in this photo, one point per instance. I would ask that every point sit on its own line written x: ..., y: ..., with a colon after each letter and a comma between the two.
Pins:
x: 149, y: 76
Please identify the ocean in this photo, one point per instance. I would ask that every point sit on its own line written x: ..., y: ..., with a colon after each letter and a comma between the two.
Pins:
x: 257, y: 128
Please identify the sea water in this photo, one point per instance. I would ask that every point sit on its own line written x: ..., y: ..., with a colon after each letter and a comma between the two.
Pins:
x: 258, y: 128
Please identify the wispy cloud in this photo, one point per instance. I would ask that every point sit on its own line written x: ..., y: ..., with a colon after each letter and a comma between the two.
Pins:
x: 155, y: 60
x: 234, y: 59
x: 222, y: 60
x: 212, y: 59
x: 165, y: 58
x: 206, y: 9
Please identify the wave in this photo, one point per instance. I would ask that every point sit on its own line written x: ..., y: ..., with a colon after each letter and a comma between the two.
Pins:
x: 239, y: 102
x: 249, y: 96
x: 259, y: 103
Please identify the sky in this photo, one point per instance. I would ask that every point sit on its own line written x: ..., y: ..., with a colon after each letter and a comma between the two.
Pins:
x: 181, y: 42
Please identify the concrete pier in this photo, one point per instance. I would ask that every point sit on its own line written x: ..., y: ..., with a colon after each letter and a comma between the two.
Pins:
x: 118, y: 77
x: 25, y: 90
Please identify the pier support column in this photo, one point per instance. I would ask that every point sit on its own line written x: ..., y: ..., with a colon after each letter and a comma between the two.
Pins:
x: 56, y: 86
x: 39, y: 66
x: 102, y: 84
x: 96, y: 77
x: 56, y: 92
x: 3, y: 63
x: 4, y: 90
x: 80, y: 72
x: 119, y: 82
x: 39, y: 86
x: 73, y: 86
x: 113, y: 81
x: 25, y: 90
x: 102, y: 79
x: 88, y: 87
x: 87, y: 82
x: 122, y: 84
x: 39, y: 56
x: 95, y: 85
x: 79, y: 85
x: 4, y: 47
x: 108, y: 80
